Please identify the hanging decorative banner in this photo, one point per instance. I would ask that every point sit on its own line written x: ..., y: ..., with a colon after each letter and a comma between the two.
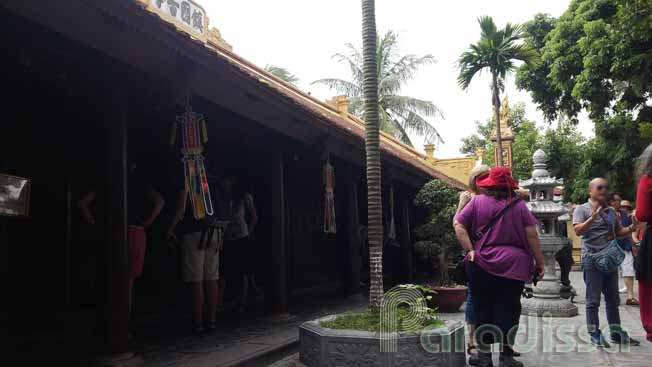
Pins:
x: 194, y: 135
x: 14, y: 196
x: 330, y: 224
x: 392, y: 224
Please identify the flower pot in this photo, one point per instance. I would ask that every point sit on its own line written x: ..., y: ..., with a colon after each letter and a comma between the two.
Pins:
x: 448, y: 300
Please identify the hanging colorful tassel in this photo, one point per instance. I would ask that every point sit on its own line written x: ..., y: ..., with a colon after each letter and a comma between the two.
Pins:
x: 193, y: 136
x: 330, y: 223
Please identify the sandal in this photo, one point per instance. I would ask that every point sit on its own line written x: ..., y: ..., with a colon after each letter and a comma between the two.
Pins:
x: 632, y: 302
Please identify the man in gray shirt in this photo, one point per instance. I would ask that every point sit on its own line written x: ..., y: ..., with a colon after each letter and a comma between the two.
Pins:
x: 597, y: 224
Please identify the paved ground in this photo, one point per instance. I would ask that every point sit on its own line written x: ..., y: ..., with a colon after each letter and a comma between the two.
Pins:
x: 238, y: 338
x: 557, y: 343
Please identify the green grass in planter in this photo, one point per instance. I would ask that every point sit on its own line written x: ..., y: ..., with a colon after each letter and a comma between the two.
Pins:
x: 368, y: 321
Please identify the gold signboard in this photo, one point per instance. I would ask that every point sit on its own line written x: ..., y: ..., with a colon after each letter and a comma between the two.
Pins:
x: 185, y: 15
x: 14, y: 196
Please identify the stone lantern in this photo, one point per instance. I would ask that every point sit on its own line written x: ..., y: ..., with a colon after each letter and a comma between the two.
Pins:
x: 547, y: 300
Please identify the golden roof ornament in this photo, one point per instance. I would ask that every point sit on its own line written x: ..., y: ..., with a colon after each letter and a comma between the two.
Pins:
x: 505, y: 129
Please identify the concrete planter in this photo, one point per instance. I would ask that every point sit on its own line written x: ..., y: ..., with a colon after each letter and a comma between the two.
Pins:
x: 322, y: 347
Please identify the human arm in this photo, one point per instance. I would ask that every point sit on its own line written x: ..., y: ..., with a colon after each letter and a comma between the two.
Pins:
x: 464, y: 239
x: 629, y: 230
x: 532, y: 236
x: 462, y: 223
x: 84, y: 206
x: 643, y: 210
x: 582, y: 222
x: 251, y: 209
x: 157, y: 205
x: 465, y: 198
x: 178, y: 214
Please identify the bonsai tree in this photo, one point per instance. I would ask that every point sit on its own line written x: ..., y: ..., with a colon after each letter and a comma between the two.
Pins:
x: 437, y: 202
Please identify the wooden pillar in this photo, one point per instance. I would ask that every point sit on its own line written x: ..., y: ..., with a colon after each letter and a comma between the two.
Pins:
x: 354, y: 235
x: 279, y: 262
x: 117, y: 265
x: 404, y: 237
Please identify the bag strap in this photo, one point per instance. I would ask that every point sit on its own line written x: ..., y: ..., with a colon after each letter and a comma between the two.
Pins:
x: 610, y: 223
x: 487, y: 227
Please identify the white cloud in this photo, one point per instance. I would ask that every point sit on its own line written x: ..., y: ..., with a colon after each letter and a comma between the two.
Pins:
x: 302, y: 36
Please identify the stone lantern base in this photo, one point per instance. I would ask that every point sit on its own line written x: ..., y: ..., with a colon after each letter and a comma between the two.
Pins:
x: 548, y: 307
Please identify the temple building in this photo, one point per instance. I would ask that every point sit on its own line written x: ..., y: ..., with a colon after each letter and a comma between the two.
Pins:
x: 96, y: 85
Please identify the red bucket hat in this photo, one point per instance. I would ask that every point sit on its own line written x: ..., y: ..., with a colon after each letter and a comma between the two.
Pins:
x: 498, y: 177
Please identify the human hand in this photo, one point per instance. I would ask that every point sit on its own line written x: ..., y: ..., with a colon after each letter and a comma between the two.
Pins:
x: 597, y: 209
x: 171, y: 237
x: 465, y: 197
x: 471, y: 256
x: 540, y: 268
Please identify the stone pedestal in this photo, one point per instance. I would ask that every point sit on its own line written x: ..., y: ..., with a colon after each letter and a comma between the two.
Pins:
x: 547, y: 300
x: 547, y: 209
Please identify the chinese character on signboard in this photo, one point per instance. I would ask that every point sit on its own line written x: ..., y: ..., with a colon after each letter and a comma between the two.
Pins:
x: 14, y: 196
x: 185, y: 14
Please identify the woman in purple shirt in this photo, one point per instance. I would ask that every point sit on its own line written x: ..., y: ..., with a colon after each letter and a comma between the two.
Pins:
x: 499, y: 263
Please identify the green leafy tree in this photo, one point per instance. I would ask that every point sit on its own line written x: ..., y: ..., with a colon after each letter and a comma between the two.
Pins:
x: 399, y: 115
x: 566, y: 147
x: 597, y: 57
x: 282, y: 73
x: 438, y: 201
x: 369, y: 78
x: 526, y: 142
x: 497, y: 50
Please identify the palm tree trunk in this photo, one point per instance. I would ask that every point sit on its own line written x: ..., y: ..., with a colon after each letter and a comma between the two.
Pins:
x: 372, y: 145
x: 496, y: 100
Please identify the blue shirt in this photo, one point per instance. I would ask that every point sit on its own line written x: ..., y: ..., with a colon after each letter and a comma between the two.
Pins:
x: 625, y: 242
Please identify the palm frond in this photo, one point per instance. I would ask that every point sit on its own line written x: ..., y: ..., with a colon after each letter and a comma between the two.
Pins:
x: 391, y: 126
x: 402, y: 105
x: 407, y: 66
x: 413, y: 122
x: 282, y: 73
x: 355, y: 66
x: 348, y: 89
x: 487, y: 26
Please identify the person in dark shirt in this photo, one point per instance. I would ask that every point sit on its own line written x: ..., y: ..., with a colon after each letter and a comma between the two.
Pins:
x: 626, y: 243
x: 144, y: 204
x: 200, y: 261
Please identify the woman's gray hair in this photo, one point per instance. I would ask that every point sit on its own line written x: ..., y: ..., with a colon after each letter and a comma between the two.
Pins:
x: 644, y: 163
x: 473, y: 175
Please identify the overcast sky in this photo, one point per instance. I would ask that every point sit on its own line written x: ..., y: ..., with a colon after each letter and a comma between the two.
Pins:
x: 302, y: 36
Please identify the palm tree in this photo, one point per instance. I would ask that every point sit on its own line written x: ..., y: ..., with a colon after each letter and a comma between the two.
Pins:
x: 282, y: 73
x: 369, y: 78
x: 399, y: 115
x: 496, y: 50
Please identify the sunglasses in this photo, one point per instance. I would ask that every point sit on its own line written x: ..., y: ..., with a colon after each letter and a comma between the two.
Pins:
x: 602, y: 187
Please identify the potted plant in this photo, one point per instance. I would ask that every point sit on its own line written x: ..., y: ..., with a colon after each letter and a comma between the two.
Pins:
x: 438, y: 202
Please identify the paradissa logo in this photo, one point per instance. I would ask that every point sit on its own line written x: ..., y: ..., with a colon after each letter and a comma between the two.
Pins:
x: 539, y: 334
